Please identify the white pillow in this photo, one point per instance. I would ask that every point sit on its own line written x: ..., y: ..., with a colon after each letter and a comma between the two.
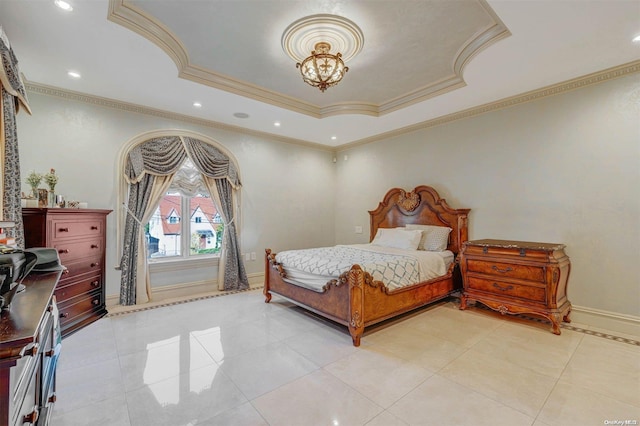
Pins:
x: 398, y: 238
x: 434, y: 238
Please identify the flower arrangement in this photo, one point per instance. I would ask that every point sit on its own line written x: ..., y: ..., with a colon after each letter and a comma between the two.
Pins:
x: 52, y: 179
x: 34, y: 180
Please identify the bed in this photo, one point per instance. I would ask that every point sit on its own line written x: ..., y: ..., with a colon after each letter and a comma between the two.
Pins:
x: 355, y: 298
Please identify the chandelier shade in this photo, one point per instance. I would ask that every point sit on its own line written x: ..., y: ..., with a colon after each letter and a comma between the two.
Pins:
x: 322, y: 69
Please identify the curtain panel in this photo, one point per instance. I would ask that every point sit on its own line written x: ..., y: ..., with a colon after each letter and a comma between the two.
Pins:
x: 13, y: 96
x: 149, y: 170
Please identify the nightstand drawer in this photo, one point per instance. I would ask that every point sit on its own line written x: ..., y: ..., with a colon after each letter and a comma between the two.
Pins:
x: 505, y: 288
x: 507, y: 270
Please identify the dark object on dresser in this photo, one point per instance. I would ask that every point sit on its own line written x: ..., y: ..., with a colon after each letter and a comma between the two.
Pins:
x: 30, y: 344
x: 79, y: 237
x: 517, y: 277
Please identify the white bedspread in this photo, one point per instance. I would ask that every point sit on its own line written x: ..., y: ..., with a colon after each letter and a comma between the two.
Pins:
x: 396, y: 268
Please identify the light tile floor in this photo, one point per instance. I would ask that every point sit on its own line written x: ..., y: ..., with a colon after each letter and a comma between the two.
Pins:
x: 234, y: 360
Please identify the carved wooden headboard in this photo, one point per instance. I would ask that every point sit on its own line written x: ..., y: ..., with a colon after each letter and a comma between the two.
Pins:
x: 423, y: 206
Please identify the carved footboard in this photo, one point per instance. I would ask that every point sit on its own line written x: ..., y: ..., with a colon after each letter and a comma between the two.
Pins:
x: 340, y: 300
x: 355, y: 299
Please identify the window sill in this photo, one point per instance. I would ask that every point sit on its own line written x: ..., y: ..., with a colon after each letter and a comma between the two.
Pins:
x: 178, y: 264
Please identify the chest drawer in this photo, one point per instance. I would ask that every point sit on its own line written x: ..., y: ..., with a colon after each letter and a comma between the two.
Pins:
x: 71, y: 310
x: 64, y: 229
x: 507, y: 270
x: 71, y: 250
x: 65, y: 292
x: 506, y: 288
x: 76, y: 268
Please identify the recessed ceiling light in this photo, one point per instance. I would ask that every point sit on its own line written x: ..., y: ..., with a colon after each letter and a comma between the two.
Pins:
x: 197, y: 105
x: 277, y: 124
x: 63, y: 5
x: 333, y: 138
x: 74, y: 74
x: 636, y: 39
x: 241, y: 115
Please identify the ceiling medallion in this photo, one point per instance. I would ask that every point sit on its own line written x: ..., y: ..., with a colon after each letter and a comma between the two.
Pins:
x: 318, y: 34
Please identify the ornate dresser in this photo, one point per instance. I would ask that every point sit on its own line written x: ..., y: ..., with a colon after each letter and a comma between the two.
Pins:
x: 79, y: 236
x: 517, y: 277
x: 30, y: 344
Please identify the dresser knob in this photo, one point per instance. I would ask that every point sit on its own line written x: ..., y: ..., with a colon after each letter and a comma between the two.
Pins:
x: 32, y: 417
x: 94, y: 228
x: 96, y: 301
x: 49, y: 353
x: 63, y: 229
x: 503, y: 271
x: 95, y: 283
x: 94, y: 246
x: 93, y: 265
x: 64, y: 315
x: 33, y: 350
x: 63, y: 251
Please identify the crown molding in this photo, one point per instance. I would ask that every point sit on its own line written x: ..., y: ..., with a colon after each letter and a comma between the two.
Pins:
x: 552, y: 90
x: 43, y: 89
x: 534, y: 95
x: 124, y: 13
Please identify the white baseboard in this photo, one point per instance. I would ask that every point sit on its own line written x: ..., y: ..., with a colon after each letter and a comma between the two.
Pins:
x: 175, y: 292
x: 599, y: 320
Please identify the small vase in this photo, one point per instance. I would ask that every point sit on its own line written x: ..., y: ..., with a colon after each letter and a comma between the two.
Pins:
x: 43, y: 198
x: 52, y: 198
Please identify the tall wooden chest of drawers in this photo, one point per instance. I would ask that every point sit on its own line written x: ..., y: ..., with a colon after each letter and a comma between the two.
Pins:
x: 79, y: 236
x: 517, y: 277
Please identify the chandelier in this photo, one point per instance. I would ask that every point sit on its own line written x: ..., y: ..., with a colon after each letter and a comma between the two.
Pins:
x: 322, y: 69
x: 318, y: 34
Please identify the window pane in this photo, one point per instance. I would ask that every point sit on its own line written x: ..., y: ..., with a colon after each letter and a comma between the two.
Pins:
x: 163, y: 231
x: 206, y: 234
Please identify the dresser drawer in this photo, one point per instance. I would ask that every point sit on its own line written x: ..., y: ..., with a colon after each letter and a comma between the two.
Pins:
x: 65, y: 292
x: 71, y: 250
x: 76, y: 268
x: 68, y: 228
x: 22, y: 376
x: 507, y: 289
x: 74, y: 308
x: 507, y: 270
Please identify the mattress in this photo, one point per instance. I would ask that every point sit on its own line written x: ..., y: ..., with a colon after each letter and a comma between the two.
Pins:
x: 396, y: 268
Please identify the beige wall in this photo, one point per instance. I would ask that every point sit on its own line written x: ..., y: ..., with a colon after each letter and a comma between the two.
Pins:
x: 287, y: 196
x: 561, y: 169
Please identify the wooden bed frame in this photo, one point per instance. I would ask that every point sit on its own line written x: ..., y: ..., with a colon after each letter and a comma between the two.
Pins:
x: 355, y: 299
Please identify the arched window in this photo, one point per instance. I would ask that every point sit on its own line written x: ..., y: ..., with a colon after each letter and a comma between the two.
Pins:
x: 154, y: 165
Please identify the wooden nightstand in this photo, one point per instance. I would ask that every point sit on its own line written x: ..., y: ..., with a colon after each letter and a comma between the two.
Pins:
x: 515, y: 277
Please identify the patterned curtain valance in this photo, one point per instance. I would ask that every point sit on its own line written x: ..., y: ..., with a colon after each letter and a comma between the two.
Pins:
x: 158, y: 156
x: 211, y: 161
x: 165, y: 155
x: 10, y: 78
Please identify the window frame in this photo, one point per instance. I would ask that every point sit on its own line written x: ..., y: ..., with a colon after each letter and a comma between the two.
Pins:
x: 185, y: 243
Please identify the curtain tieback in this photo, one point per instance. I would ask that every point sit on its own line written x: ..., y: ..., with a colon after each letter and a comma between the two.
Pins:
x: 133, y: 215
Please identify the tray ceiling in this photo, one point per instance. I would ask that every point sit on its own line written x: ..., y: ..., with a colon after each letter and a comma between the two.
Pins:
x: 423, y: 61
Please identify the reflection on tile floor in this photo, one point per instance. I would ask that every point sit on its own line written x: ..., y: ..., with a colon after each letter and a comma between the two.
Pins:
x: 235, y: 360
